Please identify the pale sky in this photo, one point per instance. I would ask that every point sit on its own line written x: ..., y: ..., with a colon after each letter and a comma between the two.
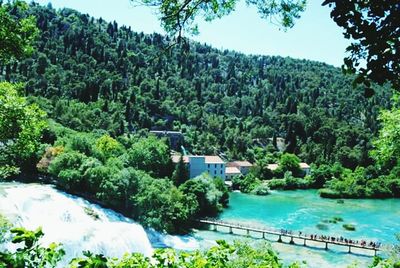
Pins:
x: 315, y: 36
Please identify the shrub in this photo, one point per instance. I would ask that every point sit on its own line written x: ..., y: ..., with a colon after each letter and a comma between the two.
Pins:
x: 276, y: 184
x: 211, y: 199
x: 50, y: 154
x: 261, y: 189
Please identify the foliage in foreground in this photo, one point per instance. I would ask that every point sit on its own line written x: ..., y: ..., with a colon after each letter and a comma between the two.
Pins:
x: 30, y: 254
x: 224, y: 255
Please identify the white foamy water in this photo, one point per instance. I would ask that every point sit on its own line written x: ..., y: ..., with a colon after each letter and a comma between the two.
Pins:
x: 64, y: 220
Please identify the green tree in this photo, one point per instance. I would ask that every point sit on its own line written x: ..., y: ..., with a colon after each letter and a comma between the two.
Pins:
x: 118, y: 189
x: 17, y: 34
x: 151, y: 155
x: 222, y: 255
x: 210, y: 195
x: 374, y: 31
x: 181, y: 173
x: 21, y: 126
x: 289, y: 162
x: 162, y: 206
x: 320, y: 175
x: 107, y: 147
x: 387, y: 145
x: 371, y: 25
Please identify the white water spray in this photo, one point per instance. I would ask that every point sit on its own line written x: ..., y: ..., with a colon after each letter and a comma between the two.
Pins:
x: 64, y: 220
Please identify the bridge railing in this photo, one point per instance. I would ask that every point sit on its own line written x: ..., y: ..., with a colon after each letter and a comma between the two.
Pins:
x: 300, y: 235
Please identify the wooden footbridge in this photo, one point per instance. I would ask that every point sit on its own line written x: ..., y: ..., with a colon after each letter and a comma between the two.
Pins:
x: 300, y: 237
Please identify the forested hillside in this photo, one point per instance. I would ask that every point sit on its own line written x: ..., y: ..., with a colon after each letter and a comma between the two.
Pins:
x: 89, y: 74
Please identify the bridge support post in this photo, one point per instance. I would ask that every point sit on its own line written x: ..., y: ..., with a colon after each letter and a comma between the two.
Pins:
x: 264, y: 238
x: 374, y: 252
x: 280, y: 239
x: 349, y: 249
x: 291, y: 240
x: 305, y: 242
x: 248, y: 232
x: 230, y: 230
x: 215, y: 227
x: 326, y: 245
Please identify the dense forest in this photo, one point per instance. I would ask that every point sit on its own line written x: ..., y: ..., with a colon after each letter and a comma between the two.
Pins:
x: 89, y: 74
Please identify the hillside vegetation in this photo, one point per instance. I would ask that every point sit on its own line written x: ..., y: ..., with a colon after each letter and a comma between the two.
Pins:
x: 89, y: 74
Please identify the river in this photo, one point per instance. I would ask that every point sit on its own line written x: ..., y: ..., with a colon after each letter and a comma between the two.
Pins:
x: 304, y: 210
x: 63, y: 219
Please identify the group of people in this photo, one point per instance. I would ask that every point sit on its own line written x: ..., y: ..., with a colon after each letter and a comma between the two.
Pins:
x: 340, y: 239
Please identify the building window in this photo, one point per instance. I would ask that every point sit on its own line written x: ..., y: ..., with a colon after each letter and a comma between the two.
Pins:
x: 208, y: 165
x: 215, y: 172
x: 221, y: 171
x: 215, y: 165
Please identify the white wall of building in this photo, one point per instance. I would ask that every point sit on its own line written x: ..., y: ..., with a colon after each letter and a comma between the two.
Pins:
x: 198, y: 165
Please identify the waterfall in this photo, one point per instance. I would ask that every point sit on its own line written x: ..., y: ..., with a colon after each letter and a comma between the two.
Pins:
x: 65, y: 219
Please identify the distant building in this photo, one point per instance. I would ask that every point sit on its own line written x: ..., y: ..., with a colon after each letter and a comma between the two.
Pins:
x: 175, y: 138
x: 198, y: 164
x: 231, y: 172
x: 304, y: 166
x: 243, y: 166
x: 272, y: 167
x: 177, y: 157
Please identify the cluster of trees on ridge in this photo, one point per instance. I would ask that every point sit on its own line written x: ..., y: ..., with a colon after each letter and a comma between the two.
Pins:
x: 88, y: 74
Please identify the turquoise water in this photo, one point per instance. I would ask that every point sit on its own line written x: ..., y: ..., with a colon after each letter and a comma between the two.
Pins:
x: 33, y: 205
x: 305, y: 211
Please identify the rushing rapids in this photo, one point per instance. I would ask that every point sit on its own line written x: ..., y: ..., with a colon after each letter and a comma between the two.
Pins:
x: 78, y: 224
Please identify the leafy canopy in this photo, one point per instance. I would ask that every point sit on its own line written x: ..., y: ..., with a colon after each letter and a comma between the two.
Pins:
x: 387, y: 145
x: 17, y: 33
x: 21, y: 125
x: 178, y: 17
x: 373, y: 27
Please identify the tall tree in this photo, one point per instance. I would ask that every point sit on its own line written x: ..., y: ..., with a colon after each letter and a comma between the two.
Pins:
x: 181, y: 173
